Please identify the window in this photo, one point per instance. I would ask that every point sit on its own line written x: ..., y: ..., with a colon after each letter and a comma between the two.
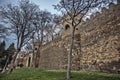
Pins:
x: 67, y: 27
x: 76, y: 28
x: 21, y: 55
x: 35, y: 48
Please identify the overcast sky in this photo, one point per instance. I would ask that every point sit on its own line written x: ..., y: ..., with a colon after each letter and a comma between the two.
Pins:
x: 44, y: 4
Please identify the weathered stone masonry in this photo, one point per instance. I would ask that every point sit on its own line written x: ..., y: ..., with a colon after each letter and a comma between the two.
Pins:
x: 100, y: 44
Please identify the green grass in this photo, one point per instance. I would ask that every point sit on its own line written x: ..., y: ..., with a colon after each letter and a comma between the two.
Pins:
x: 39, y: 74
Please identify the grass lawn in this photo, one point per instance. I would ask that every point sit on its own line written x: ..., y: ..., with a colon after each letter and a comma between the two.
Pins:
x: 38, y: 74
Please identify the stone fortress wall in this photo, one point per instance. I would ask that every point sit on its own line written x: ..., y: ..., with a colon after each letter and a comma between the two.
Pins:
x: 99, y: 38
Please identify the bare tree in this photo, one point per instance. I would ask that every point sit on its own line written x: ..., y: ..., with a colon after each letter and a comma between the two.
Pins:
x: 44, y: 32
x: 10, y: 52
x: 20, y: 18
x: 74, y: 11
x: 3, y: 32
x: 42, y: 19
x: 28, y: 47
x: 53, y: 29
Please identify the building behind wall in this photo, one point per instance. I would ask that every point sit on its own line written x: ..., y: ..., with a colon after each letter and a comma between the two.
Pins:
x: 24, y: 59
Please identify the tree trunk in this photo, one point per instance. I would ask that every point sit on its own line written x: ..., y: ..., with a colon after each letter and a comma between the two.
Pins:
x: 4, y: 69
x: 34, y: 59
x: 34, y: 55
x: 37, y: 57
x: 38, y: 54
x: 70, y: 55
x: 12, y: 65
x: 80, y: 66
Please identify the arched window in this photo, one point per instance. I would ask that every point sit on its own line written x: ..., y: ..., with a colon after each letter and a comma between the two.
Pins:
x: 67, y: 27
x: 76, y: 28
x: 29, y: 61
x: 35, y: 48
